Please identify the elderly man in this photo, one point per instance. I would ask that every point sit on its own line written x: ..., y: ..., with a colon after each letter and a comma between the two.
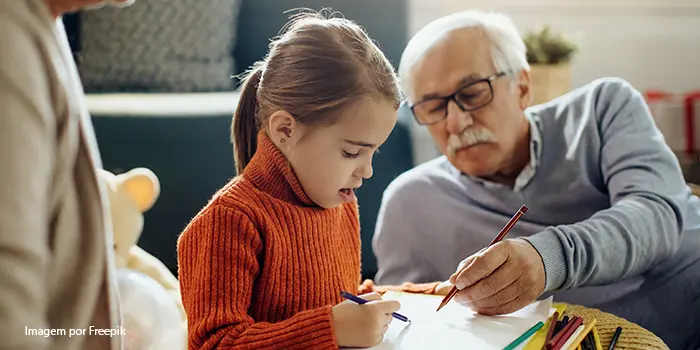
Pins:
x: 56, y: 265
x: 611, y: 223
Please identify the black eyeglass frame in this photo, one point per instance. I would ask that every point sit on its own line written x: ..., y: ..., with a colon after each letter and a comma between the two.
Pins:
x: 452, y: 97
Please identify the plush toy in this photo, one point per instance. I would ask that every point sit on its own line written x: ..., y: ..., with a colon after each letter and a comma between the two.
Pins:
x: 130, y: 195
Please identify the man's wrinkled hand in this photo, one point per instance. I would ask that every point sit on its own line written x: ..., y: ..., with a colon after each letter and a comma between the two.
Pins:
x: 500, y: 279
x: 443, y: 288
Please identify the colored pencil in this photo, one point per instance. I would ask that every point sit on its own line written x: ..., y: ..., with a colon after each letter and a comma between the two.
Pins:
x: 557, y: 328
x: 552, y: 326
x: 498, y: 238
x: 561, y: 324
x: 538, y: 339
x: 588, y: 342
x: 570, y: 343
x: 614, y: 338
x: 524, y: 336
x: 361, y: 301
x: 587, y: 329
x: 596, y: 339
x: 563, y: 335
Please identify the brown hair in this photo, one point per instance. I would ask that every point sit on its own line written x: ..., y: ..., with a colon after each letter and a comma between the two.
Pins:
x: 317, y: 67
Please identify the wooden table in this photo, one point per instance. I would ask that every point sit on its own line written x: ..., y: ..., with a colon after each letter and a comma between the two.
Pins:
x: 632, y: 337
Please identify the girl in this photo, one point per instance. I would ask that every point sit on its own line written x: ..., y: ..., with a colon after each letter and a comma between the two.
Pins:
x: 263, y: 264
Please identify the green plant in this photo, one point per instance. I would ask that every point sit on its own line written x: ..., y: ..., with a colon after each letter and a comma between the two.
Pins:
x: 545, y: 47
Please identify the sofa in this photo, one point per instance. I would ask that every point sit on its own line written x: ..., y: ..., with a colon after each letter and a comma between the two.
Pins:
x: 183, y: 136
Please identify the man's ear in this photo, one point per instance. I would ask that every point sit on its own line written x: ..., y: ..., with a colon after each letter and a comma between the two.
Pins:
x: 283, y: 128
x: 523, y: 85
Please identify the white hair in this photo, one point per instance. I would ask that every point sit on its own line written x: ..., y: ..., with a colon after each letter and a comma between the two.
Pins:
x: 507, y: 47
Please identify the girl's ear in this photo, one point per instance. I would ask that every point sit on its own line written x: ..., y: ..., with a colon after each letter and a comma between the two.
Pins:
x: 283, y: 128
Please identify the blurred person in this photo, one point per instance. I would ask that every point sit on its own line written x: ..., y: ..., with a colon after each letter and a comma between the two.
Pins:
x: 56, y: 260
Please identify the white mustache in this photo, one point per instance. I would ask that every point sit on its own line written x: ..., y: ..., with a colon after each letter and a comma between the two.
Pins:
x: 469, y: 137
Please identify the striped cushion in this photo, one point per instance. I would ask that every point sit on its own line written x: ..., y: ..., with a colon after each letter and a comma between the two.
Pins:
x: 159, y: 46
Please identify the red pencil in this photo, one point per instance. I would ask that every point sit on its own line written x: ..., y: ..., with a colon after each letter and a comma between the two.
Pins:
x: 552, y: 325
x: 563, y: 335
x: 498, y: 238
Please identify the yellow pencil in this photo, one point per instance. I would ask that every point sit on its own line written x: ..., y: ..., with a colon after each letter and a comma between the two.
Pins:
x: 538, y: 339
x: 579, y: 338
x: 596, y: 339
x: 560, y: 307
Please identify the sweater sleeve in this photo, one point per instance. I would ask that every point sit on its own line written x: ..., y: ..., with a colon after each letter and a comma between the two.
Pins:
x: 368, y: 286
x: 644, y: 223
x: 218, y: 264
x: 27, y: 136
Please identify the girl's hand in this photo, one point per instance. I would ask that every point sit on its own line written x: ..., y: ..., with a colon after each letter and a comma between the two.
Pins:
x: 363, y: 325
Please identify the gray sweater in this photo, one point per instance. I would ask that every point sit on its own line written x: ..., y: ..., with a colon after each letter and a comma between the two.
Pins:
x: 606, y: 196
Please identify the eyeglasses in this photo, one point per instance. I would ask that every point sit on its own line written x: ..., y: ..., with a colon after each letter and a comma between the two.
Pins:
x: 469, y: 97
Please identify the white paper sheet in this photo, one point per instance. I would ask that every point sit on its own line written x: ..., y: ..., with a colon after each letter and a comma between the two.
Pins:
x: 456, y: 326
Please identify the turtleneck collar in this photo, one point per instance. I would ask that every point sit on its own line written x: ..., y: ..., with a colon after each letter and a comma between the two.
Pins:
x: 270, y: 171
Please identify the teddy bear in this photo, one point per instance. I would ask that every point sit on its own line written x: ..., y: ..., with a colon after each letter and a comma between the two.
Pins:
x: 130, y: 194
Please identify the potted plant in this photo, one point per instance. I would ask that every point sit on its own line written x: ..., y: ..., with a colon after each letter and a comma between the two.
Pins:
x: 549, y: 55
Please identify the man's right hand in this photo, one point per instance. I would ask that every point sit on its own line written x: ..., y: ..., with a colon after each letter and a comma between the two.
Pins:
x: 363, y: 325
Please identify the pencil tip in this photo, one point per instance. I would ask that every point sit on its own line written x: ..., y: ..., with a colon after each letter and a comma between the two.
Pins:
x: 440, y: 307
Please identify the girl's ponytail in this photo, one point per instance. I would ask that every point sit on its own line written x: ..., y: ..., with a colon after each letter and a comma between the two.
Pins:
x: 244, y: 131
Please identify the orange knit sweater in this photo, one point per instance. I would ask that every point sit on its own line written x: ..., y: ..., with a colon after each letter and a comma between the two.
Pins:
x: 261, y: 265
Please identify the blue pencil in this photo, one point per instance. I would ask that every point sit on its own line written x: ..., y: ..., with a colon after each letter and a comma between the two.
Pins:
x: 361, y: 301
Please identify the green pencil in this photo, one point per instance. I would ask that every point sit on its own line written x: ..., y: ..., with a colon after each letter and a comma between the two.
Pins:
x: 525, y: 335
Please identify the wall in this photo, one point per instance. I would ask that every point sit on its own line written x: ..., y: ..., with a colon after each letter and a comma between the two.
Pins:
x: 262, y: 19
x: 655, y: 44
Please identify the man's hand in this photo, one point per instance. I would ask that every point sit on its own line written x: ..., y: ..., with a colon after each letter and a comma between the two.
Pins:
x: 443, y: 288
x: 501, y: 279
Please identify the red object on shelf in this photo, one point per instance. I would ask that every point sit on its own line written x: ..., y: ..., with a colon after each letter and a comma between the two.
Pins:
x: 689, y: 101
x: 683, y: 106
x: 657, y: 95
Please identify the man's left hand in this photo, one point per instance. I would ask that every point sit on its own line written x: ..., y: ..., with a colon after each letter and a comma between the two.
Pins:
x: 501, y: 279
